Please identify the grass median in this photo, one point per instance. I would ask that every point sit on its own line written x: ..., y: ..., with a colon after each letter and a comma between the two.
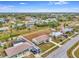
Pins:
x: 69, y: 51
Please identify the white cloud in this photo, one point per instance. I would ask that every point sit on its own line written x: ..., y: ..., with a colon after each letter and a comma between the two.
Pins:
x: 5, y: 8
x: 22, y: 3
x: 60, y: 3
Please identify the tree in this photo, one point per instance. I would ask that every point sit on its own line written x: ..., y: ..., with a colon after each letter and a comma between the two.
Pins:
x: 53, y: 24
x: 1, y: 24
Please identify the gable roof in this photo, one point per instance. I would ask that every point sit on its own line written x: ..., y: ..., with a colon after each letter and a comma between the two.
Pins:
x: 42, y: 37
x: 17, y: 49
x: 57, y: 34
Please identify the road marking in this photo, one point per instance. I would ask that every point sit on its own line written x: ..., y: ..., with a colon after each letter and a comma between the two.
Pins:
x: 74, y: 51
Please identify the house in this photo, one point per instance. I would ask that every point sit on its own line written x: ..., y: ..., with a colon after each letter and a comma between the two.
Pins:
x: 18, y: 50
x: 38, y: 37
x: 2, y: 29
x: 21, y: 47
x: 2, y: 20
x: 29, y: 25
x: 56, y: 34
x: 28, y: 18
x: 19, y: 40
x: 67, y: 30
x: 14, y: 19
x: 39, y: 21
x: 51, y: 19
x: 19, y: 25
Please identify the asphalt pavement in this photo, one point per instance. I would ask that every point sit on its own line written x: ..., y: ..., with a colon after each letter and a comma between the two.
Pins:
x: 61, y: 52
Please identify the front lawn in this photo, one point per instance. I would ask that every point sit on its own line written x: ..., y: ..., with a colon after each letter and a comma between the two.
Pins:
x: 45, y: 46
x: 58, y: 40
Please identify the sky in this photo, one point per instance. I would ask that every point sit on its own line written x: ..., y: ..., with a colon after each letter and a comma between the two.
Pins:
x: 39, y: 6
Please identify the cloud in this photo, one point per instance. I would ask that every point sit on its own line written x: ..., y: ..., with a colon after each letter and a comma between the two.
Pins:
x: 50, y: 3
x: 22, y: 3
x: 58, y: 2
x: 5, y: 8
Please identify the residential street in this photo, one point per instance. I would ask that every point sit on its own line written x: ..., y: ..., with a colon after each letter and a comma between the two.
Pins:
x: 61, y: 52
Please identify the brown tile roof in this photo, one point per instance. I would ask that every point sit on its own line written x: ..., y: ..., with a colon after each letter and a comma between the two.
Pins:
x: 42, y: 37
x: 36, y: 34
x: 16, y: 49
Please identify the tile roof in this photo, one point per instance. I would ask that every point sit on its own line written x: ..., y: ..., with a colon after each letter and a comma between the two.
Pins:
x: 17, y: 49
x: 42, y: 37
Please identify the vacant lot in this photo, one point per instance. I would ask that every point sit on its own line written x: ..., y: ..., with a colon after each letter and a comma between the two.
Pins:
x: 34, y: 34
x: 14, y: 33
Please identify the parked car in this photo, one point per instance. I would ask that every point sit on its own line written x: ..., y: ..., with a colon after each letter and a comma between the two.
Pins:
x: 35, y: 50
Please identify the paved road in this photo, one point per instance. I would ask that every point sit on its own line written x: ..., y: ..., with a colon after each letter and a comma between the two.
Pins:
x: 61, y: 52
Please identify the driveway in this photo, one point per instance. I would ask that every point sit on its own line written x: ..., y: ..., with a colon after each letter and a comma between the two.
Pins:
x: 61, y: 52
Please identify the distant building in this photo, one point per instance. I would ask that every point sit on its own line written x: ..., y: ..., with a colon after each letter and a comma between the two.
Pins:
x: 51, y: 19
x: 3, y: 29
x: 17, y: 25
x: 29, y: 25
x: 28, y: 18
x: 67, y: 30
x: 2, y: 20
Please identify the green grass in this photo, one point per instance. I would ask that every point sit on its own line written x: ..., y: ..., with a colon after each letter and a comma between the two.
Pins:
x: 69, y: 51
x: 77, y: 53
x: 68, y: 39
x: 50, y: 52
x: 59, y: 39
x: 45, y: 46
x: 18, y: 32
x: 4, y: 37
